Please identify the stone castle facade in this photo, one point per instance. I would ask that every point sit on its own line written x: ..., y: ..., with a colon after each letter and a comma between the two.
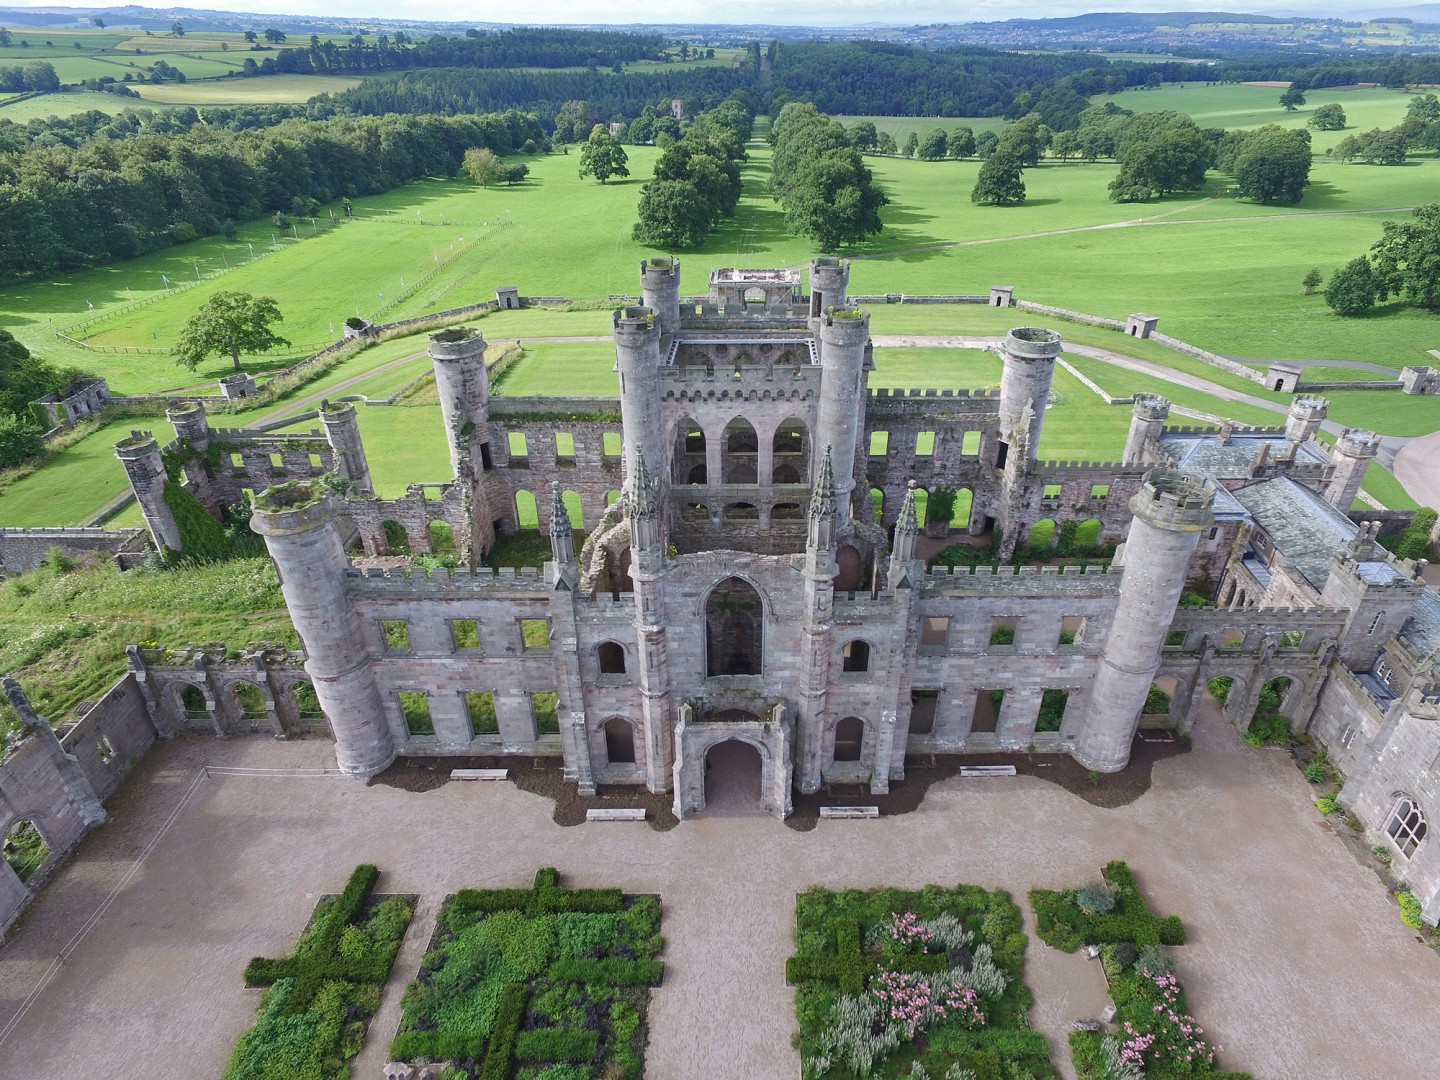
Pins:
x: 749, y: 571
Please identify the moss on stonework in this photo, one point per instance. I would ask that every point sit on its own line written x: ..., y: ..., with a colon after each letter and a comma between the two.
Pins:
x: 288, y: 496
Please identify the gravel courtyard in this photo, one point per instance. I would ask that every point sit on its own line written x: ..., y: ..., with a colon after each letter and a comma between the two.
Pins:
x: 1297, y: 965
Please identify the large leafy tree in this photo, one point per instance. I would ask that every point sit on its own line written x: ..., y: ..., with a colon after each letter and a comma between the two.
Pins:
x: 1292, y: 99
x: 1175, y: 159
x: 1027, y: 138
x: 672, y: 214
x: 1329, y: 117
x: 229, y: 323
x: 1406, y: 258
x: 603, y: 156
x: 999, y: 182
x: 1352, y: 288
x: 1272, y: 165
x: 934, y: 146
x: 482, y: 165
x: 833, y: 199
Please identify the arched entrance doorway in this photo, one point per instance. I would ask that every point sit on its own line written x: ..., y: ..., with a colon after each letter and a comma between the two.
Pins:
x: 619, y: 741
x: 734, y: 629
x: 733, y: 771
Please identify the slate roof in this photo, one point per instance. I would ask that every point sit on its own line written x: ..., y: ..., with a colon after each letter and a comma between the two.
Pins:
x: 1422, y: 629
x: 1232, y: 460
x: 1303, y: 527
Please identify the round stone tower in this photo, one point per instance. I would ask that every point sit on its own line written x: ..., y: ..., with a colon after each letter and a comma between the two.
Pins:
x: 660, y: 287
x: 829, y: 280
x: 342, y: 432
x: 1306, y: 414
x: 458, y: 355
x: 637, y: 352
x: 843, y: 334
x: 1352, y: 454
x: 1171, y: 510
x: 140, y: 455
x: 1147, y: 421
x: 298, y: 524
x: 191, y: 424
x: 1030, y: 354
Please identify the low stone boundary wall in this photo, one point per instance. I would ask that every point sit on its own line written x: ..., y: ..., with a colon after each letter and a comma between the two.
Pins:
x: 25, y: 549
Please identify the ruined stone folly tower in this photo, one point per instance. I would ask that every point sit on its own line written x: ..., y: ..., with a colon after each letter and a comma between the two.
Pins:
x: 637, y: 353
x: 145, y: 467
x: 842, y: 334
x: 298, y: 524
x: 342, y: 432
x: 463, y: 386
x: 660, y: 290
x: 1171, y: 509
x: 1030, y: 355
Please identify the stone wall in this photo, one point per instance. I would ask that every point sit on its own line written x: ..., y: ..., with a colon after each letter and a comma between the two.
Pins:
x: 25, y: 549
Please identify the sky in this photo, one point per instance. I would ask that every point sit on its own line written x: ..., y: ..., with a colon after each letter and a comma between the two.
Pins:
x: 794, y: 13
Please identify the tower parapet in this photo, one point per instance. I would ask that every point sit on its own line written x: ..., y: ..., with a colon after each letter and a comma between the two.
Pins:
x: 1171, y: 509
x: 298, y: 524
x: 342, y: 431
x: 191, y: 424
x: 1306, y: 415
x: 463, y: 386
x: 145, y: 467
x: 1147, y: 423
x: 1030, y: 355
x: 1377, y: 589
x: 829, y: 282
x: 1352, y: 454
x: 660, y: 290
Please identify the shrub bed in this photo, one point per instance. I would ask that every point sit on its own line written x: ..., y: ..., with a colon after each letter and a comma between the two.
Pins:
x: 321, y: 998
x: 545, y: 983
x: 1157, y: 1037
x: 894, y: 984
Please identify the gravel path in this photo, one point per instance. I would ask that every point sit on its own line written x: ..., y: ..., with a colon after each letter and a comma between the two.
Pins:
x: 1226, y: 838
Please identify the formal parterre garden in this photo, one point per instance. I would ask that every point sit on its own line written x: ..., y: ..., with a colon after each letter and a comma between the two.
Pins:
x: 321, y: 997
x: 1157, y: 1037
x: 913, y: 984
x: 546, y: 983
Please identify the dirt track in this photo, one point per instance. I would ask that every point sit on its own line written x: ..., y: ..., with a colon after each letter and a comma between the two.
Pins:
x: 1296, y: 963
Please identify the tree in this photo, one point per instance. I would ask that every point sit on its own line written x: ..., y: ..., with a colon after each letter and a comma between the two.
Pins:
x: 1407, y: 258
x: 833, y: 199
x: 1065, y: 145
x: 20, y: 440
x: 985, y: 144
x: 1353, y: 288
x: 885, y: 144
x: 999, y: 182
x: 1273, y: 165
x: 1311, y: 281
x: 275, y: 37
x: 864, y: 137
x: 482, y: 166
x: 933, y: 148
x: 516, y: 173
x: 672, y: 214
x: 1170, y: 159
x: 1027, y: 137
x: 177, y: 28
x: 603, y: 156
x: 98, y: 23
x: 574, y: 121
x: 911, y: 145
x: 251, y: 36
x: 962, y: 143
x: 229, y: 322
x: 1329, y: 117
x: 1292, y: 99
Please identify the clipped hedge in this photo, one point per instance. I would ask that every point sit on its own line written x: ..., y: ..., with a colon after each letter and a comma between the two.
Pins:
x: 500, y: 1051
x: 1064, y: 926
x: 611, y: 971
x: 556, y: 1044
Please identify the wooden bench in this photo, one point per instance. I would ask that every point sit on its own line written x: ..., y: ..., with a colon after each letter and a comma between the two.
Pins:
x: 849, y: 811
x: 479, y: 774
x: 987, y: 770
x: 619, y: 813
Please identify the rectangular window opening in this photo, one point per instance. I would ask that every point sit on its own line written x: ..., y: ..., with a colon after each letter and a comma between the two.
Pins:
x: 466, y: 633
x: 988, y: 704
x: 879, y: 443
x: 545, y: 706
x: 1072, y: 630
x: 535, y: 634
x: 923, y: 706
x: 925, y: 444
x: 1002, y: 629
x: 564, y: 448
x: 1052, y: 710
x: 397, y: 635
x: 317, y: 464
x: 970, y: 443
x: 1100, y: 491
x: 237, y: 461
x: 518, y: 445
x: 480, y: 707
x: 935, y: 634
x: 415, y: 705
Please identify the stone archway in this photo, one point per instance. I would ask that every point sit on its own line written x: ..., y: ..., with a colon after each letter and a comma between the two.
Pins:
x: 734, y: 772
x: 771, y: 738
x: 734, y: 629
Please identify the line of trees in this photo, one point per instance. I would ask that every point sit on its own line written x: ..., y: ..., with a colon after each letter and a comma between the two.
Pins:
x: 1420, y: 130
x: 697, y: 178
x: 38, y: 77
x: 829, y: 194
x: 1403, y: 263
x: 65, y: 208
x: 23, y: 379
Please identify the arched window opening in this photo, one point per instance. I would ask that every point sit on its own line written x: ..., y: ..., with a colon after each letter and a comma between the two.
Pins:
x: 25, y: 849
x: 791, y: 452
x: 619, y: 741
x: 787, y: 512
x: 849, y: 738
x: 689, y: 453
x: 192, y: 700
x: 734, y: 629
x: 856, y: 656
x: 742, y: 448
x: 1407, y: 826
x: 612, y: 658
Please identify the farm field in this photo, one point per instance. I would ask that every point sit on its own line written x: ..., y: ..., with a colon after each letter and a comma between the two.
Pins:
x: 266, y: 90
x: 68, y: 103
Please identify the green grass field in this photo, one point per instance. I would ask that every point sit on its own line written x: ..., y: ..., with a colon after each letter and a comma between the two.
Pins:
x: 78, y: 481
x: 1237, y: 105
x: 269, y: 90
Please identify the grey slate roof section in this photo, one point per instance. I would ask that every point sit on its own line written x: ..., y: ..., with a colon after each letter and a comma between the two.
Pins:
x: 1422, y: 629
x: 1232, y: 460
x: 1303, y: 527
x: 1226, y: 505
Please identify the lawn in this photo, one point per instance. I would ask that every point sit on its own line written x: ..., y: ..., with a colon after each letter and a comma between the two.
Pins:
x: 267, y: 90
x: 77, y: 481
x: 404, y: 444
x: 68, y: 103
x: 570, y: 368
x: 1236, y: 105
